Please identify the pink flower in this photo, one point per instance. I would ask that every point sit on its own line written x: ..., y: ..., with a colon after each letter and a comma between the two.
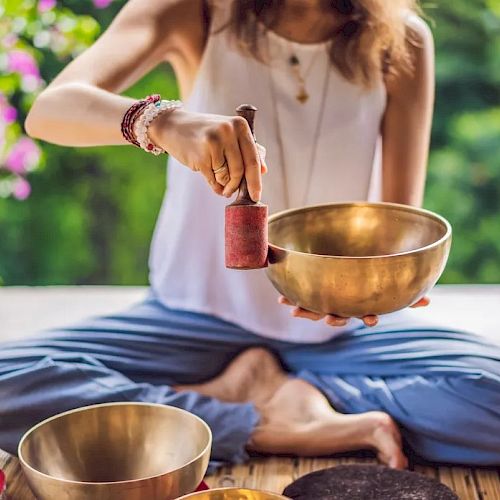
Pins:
x: 10, y: 40
x: 23, y: 156
x: 2, y: 136
x: 45, y: 5
x: 23, y: 62
x: 102, y: 4
x: 8, y: 114
x: 21, y: 189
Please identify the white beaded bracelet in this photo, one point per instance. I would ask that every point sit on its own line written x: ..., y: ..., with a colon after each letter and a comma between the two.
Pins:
x: 141, y: 125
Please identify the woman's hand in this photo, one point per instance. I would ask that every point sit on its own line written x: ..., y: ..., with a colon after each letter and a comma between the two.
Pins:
x: 222, y: 148
x: 332, y: 320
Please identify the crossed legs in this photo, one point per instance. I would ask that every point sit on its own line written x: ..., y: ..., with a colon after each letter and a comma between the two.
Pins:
x: 296, y: 418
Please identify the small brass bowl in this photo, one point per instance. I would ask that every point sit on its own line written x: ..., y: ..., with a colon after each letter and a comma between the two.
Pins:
x: 125, y: 451
x: 233, y: 494
x: 354, y: 259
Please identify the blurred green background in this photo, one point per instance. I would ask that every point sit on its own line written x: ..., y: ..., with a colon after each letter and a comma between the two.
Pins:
x: 91, y: 212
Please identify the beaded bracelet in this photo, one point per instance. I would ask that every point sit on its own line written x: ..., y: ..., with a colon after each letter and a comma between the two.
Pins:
x: 147, y: 115
x: 131, y: 115
x: 3, y: 486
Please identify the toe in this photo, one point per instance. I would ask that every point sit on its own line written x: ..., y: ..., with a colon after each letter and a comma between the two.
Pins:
x: 386, y: 438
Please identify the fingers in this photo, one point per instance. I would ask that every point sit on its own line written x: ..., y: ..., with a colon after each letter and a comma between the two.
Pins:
x: 222, y: 176
x: 219, y: 164
x: 424, y: 301
x: 243, y: 158
x: 235, y: 163
x: 333, y: 320
x: 208, y: 173
x: 262, y: 155
x: 251, y: 159
x: 298, y: 312
x: 330, y: 319
x: 285, y: 301
x: 370, y: 320
x: 232, y: 142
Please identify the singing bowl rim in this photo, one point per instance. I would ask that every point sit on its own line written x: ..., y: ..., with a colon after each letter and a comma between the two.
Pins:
x: 218, y: 490
x: 30, y: 431
x: 382, y: 204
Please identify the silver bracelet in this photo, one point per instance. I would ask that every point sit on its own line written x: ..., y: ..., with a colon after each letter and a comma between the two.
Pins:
x: 142, y: 123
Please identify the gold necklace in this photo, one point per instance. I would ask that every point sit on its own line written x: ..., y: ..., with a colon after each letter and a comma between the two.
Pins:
x: 294, y: 62
x: 279, y: 135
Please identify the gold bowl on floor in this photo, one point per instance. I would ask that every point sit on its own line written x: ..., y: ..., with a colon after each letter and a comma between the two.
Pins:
x: 233, y: 494
x: 354, y: 259
x: 126, y: 451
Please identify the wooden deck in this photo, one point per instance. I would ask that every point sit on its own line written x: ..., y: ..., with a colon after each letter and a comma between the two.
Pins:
x: 273, y: 474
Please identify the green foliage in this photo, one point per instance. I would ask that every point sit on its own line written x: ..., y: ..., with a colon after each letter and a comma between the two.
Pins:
x: 464, y: 170
x: 91, y: 213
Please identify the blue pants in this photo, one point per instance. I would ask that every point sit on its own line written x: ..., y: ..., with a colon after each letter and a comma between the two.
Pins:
x: 442, y: 387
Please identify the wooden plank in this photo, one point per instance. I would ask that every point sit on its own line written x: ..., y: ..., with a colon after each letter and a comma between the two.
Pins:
x: 4, y: 458
x: 445, y: 477
x: 358, y: 460
x: 304, y: 466
x: 17, y: 487
x: 222, y: 478
x: 273, y: 474
x: 487, y: 484
x: 461, y: 481
x: 426, y: 471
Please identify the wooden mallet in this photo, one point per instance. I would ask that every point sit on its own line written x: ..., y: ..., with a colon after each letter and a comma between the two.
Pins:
x: 246, y: 220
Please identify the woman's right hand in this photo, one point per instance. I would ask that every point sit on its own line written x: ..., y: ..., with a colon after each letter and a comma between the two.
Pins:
x: 205, y: 143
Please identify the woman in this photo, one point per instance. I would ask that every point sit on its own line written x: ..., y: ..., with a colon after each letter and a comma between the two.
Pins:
x: 329, y: 79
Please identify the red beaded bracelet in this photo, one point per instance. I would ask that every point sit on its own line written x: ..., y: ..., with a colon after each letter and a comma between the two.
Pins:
x: 131, y: 115
x: 3, y: 486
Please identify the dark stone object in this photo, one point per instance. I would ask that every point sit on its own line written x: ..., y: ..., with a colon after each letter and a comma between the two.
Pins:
x: 367, y: 482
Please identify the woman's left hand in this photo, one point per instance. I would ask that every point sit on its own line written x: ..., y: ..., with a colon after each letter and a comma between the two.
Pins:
x: 332, y: 320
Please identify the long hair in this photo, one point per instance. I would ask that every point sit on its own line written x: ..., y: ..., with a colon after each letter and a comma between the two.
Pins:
x: 371, y: 39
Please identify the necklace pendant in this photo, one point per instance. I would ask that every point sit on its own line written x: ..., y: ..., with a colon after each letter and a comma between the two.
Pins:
x: 302, y: 96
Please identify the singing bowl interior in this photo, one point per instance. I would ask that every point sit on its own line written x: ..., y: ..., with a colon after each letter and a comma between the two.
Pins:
x: 116, y: 443
x: 343, y: 257
x: 356, y: 230
x: 233, y: 494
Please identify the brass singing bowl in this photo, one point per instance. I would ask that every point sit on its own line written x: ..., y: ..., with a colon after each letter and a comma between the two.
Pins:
x: 116, y: 451
x: 354, y: 259
x: 233, y: 494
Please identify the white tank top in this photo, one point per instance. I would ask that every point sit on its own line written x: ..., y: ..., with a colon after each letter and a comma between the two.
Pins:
x: 187, y: 269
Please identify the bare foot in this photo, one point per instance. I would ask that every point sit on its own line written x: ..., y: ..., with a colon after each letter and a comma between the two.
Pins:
x: 253, y: 376
x: 295, y: 416
x: 299, y: 420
